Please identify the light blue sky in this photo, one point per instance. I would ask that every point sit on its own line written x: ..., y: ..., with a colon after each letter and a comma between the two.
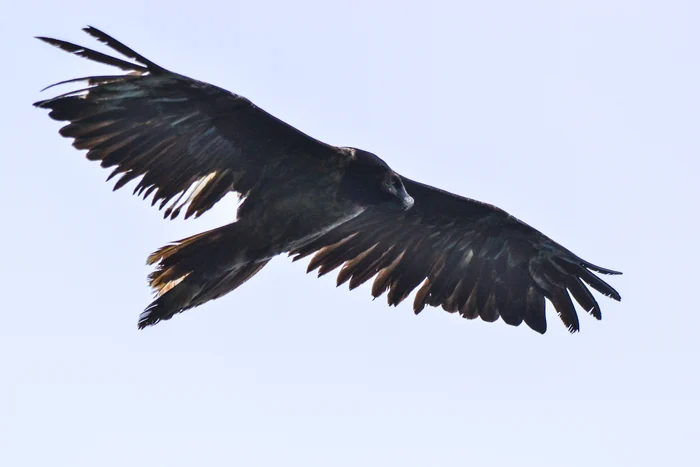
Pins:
x: 580, y: 118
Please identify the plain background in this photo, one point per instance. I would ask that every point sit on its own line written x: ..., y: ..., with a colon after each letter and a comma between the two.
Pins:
x: 578, y: 117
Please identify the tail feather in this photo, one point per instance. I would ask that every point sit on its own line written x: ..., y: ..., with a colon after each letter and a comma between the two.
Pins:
x: 219, y: 248
x: 200, y: 268
x: 229, y: 282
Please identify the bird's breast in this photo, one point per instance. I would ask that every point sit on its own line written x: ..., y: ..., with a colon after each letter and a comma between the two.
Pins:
x: 296, y: 214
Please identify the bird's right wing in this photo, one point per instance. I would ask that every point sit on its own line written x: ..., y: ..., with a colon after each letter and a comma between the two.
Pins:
x: 466, y: 256
x: 191, y: 142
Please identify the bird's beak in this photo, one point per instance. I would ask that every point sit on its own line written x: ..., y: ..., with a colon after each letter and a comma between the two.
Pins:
x: 402, y: 197
x: 407, y: 201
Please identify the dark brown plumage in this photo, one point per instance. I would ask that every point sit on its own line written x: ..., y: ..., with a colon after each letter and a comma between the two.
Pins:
x: 191, y: 143
x: 466, y: 256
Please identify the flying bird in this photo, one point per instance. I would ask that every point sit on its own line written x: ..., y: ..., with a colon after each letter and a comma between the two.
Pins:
x: 187, y: 144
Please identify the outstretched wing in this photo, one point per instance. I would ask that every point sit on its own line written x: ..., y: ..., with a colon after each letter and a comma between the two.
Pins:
x: 191, y: 142
x: 470, y: 257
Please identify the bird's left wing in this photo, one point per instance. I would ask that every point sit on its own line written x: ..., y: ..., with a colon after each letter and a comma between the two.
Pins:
x: 191, y: 142
x: 470, y: 257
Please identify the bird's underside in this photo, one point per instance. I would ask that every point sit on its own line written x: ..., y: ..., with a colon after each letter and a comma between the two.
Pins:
x: 187, y: 144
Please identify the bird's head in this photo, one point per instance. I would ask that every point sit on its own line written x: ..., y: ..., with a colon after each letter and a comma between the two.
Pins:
x: 371, y: 181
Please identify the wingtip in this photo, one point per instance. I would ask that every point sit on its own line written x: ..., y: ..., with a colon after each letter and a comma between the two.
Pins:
x: 601, y: 270
x: 93, y: 31
x: 48, y: 40
x: 539, y: 326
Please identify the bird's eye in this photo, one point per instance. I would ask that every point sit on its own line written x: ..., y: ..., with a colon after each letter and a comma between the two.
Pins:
x: 396, y: 181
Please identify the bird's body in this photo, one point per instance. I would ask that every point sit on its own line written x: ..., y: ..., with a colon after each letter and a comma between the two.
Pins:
x: 191, y: 143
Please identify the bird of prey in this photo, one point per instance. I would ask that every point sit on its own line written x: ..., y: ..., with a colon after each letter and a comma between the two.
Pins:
x: 189, y: 143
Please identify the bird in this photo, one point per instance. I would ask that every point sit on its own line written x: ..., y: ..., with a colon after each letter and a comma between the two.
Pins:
x: 187, y: 144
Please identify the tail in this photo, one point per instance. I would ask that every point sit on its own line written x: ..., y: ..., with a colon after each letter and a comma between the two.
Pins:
x: 200, y: 268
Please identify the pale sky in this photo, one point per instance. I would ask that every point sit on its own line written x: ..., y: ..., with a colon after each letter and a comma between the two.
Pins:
x: 579, y: 117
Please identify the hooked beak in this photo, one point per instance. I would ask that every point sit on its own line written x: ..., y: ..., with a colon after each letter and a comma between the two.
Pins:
x: 407, y: 201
